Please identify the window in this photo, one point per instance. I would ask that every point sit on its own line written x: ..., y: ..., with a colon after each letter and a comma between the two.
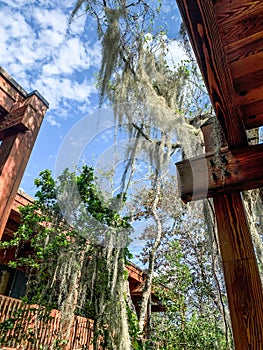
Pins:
x: 12, y: 282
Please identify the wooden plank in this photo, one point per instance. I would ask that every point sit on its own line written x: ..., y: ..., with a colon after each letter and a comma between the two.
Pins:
x: 230, y: 171
x: 247, y: 65
x: 204, y: 34
x: 226, y: 8
x: 251, y: 96
x: 248, y: 82
x: 238, y: 19
x: 232, y: 12
x: 242, y: 30
x: 243, y: 284
x: 253, y: 121
x: 252, y: 109
x: 250, y: 45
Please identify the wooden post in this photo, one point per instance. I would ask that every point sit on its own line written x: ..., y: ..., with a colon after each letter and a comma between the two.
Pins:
x: 21, y: 115
x: 242, y: 279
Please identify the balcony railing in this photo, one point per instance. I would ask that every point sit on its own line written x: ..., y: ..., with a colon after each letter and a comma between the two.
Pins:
x: 29, y: 327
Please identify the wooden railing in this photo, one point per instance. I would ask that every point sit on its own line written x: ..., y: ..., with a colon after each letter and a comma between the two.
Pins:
x: 29, y: 327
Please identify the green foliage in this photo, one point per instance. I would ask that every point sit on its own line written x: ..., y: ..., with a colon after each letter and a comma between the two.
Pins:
x: 182, y: 325
x: 42, y: 223
x: 134, y: 330
x: 66, y: 269
x: 199, y: 333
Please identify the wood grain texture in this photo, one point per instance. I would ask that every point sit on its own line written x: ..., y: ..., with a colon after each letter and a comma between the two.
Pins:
x: 251, y: 96
x: 252, y: 109
x: 204, y: 34
x: 248, y: 82
x: 247, y: 65
x: 242, y: 279
x: 226, y: 8
x: 231, y: 171
x: 238, y: 19
x: 243, y: 283
x: 250, y: 45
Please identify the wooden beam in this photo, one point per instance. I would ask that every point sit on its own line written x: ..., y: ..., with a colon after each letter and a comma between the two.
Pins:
x: 201, y: 23
x: 248, y: 82
x: 251, y: 96
x: 243, y: 283
x: 242, y: 279
x: 238, y: 19
x: 253, y: 63
x: 245, y: 46
x: 230, y: 171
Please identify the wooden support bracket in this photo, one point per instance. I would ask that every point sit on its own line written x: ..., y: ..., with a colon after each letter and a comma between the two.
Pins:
x: 227, y: 172
x: 15, y: 122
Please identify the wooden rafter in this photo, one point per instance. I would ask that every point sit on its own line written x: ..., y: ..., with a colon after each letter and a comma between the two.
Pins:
x: 200, y: 20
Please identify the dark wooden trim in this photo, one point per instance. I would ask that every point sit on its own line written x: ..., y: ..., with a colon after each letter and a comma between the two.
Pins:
x: 201, y: 23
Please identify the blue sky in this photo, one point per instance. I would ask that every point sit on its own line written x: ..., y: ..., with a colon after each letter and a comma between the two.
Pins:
x: 40, y: 51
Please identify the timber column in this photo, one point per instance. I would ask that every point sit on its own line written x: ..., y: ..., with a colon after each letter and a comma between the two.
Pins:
x: 21, y: 115
x: 241, y: 273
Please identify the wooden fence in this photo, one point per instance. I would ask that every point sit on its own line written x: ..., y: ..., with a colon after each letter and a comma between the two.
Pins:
x: 29, y: 327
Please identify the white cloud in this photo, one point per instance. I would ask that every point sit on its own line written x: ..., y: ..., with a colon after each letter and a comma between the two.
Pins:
x: 50, y: 19
x: 77, y: 26
x: 175, y: 53
x: 55, y: 90
x: 72, y: 55
x: 41, y: 51
x: 52, y: 121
